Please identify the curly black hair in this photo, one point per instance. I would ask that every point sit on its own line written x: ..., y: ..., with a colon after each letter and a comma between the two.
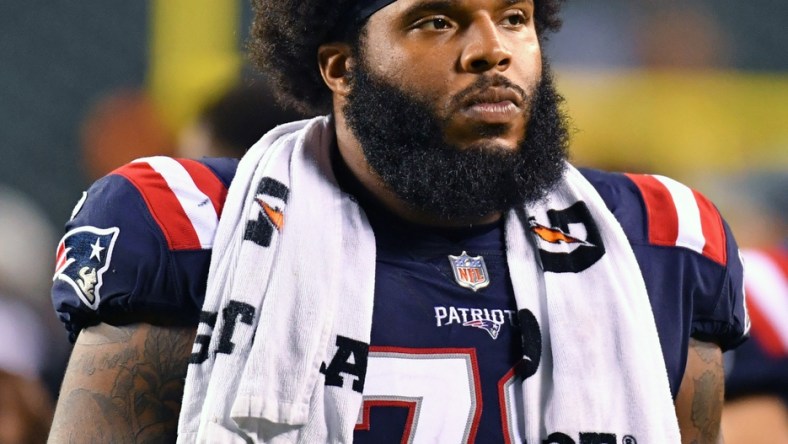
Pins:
x: 287, y: 33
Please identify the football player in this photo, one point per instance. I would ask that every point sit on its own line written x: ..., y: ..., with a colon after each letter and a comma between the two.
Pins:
x: 444, y: 132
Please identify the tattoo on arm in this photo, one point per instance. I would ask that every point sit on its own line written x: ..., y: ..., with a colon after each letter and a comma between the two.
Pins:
x: 123, y: 385
x: 701, y: 396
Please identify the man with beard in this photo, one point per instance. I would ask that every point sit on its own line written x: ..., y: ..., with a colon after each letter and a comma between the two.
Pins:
x: 420, y: 265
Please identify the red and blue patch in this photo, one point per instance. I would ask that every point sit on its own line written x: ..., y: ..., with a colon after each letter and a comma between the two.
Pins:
x: 83, y: 255
x: 491, y: 327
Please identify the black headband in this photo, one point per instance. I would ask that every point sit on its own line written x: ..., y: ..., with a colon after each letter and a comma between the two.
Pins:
x: 364, y: 9
x: 360, y: 12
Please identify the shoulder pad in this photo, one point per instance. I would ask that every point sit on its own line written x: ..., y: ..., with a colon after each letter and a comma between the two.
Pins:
x: 183, y: 196
x: 686, y: 252
x: 680, y: 216
x: 661, y: 211
x: 138, y: 244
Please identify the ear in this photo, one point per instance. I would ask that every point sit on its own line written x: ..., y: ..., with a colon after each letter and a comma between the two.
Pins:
x: 336, y: 62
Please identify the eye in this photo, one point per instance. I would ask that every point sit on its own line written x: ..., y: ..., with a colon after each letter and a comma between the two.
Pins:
x: 515, y: 19
x: 434, y: 23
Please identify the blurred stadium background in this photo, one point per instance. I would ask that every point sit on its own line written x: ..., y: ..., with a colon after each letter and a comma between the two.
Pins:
x: 693, y: 89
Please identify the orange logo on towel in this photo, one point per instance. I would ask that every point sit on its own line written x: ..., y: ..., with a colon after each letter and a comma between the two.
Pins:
x: 275, y: 215
x: 562, y: 252
x: 554, y: 235
x: 271, y: 195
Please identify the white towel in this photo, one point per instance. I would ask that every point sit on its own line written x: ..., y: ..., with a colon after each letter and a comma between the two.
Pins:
x: 601, y: 366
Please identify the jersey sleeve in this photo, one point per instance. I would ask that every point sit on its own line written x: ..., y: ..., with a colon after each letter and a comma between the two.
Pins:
x: 138, y: 245
x: 687, y: 253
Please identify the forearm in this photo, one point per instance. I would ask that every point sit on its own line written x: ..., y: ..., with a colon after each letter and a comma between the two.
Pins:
x: 123, y: 385
x: 701, y: 395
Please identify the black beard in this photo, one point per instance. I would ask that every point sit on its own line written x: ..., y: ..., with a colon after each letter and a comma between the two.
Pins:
x: 403, y: 142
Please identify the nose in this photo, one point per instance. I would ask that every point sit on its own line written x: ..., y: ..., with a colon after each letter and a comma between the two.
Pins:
x: 484, y: 49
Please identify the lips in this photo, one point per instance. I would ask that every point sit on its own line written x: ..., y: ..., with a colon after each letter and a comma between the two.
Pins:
x: 493, y: 105
x: 494, y: 95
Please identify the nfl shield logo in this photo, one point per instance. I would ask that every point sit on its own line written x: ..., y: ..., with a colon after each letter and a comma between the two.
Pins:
x: 469, y: 271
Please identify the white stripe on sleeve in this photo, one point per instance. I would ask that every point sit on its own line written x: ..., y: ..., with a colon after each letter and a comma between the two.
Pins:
x: 196, y: 204
x: 690, y: 229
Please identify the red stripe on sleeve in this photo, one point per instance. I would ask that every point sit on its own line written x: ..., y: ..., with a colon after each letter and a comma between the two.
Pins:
x: 163, y: 205
x: 763, y: 331
x: 663, y: 219
x: 713, y: 230
x: 207, y: 182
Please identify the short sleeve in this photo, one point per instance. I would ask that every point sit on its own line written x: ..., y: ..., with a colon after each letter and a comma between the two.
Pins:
x: 698, y: 252
x: 688, y: 259
x: 687, y: 254
x: 138, y: 245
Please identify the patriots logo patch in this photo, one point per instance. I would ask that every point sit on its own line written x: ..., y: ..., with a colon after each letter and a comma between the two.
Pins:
x: 83, y: 255
x: 487, y: 325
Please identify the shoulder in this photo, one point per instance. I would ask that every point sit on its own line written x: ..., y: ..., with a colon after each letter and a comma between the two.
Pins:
x: 659, y: 211
x: 184, y: 197
x: 687, y: 253
x: 138, y: 242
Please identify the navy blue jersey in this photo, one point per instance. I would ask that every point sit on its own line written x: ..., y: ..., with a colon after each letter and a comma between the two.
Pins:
x: 138, y: 249
x: 137, y: 242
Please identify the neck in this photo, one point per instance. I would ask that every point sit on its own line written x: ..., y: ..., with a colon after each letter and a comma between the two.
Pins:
x: 353, y: 158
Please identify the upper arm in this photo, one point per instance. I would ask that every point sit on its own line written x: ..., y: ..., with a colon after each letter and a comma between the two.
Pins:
x: 123, y: 385
x: 136, y: 253
x: 701, y: 395
x: 138, y: 246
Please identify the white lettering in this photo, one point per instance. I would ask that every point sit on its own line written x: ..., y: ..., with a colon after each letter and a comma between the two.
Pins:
x: 456, y: 315
x: 464, y: 312
x: 453, y: 316
x: 440, y: 314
